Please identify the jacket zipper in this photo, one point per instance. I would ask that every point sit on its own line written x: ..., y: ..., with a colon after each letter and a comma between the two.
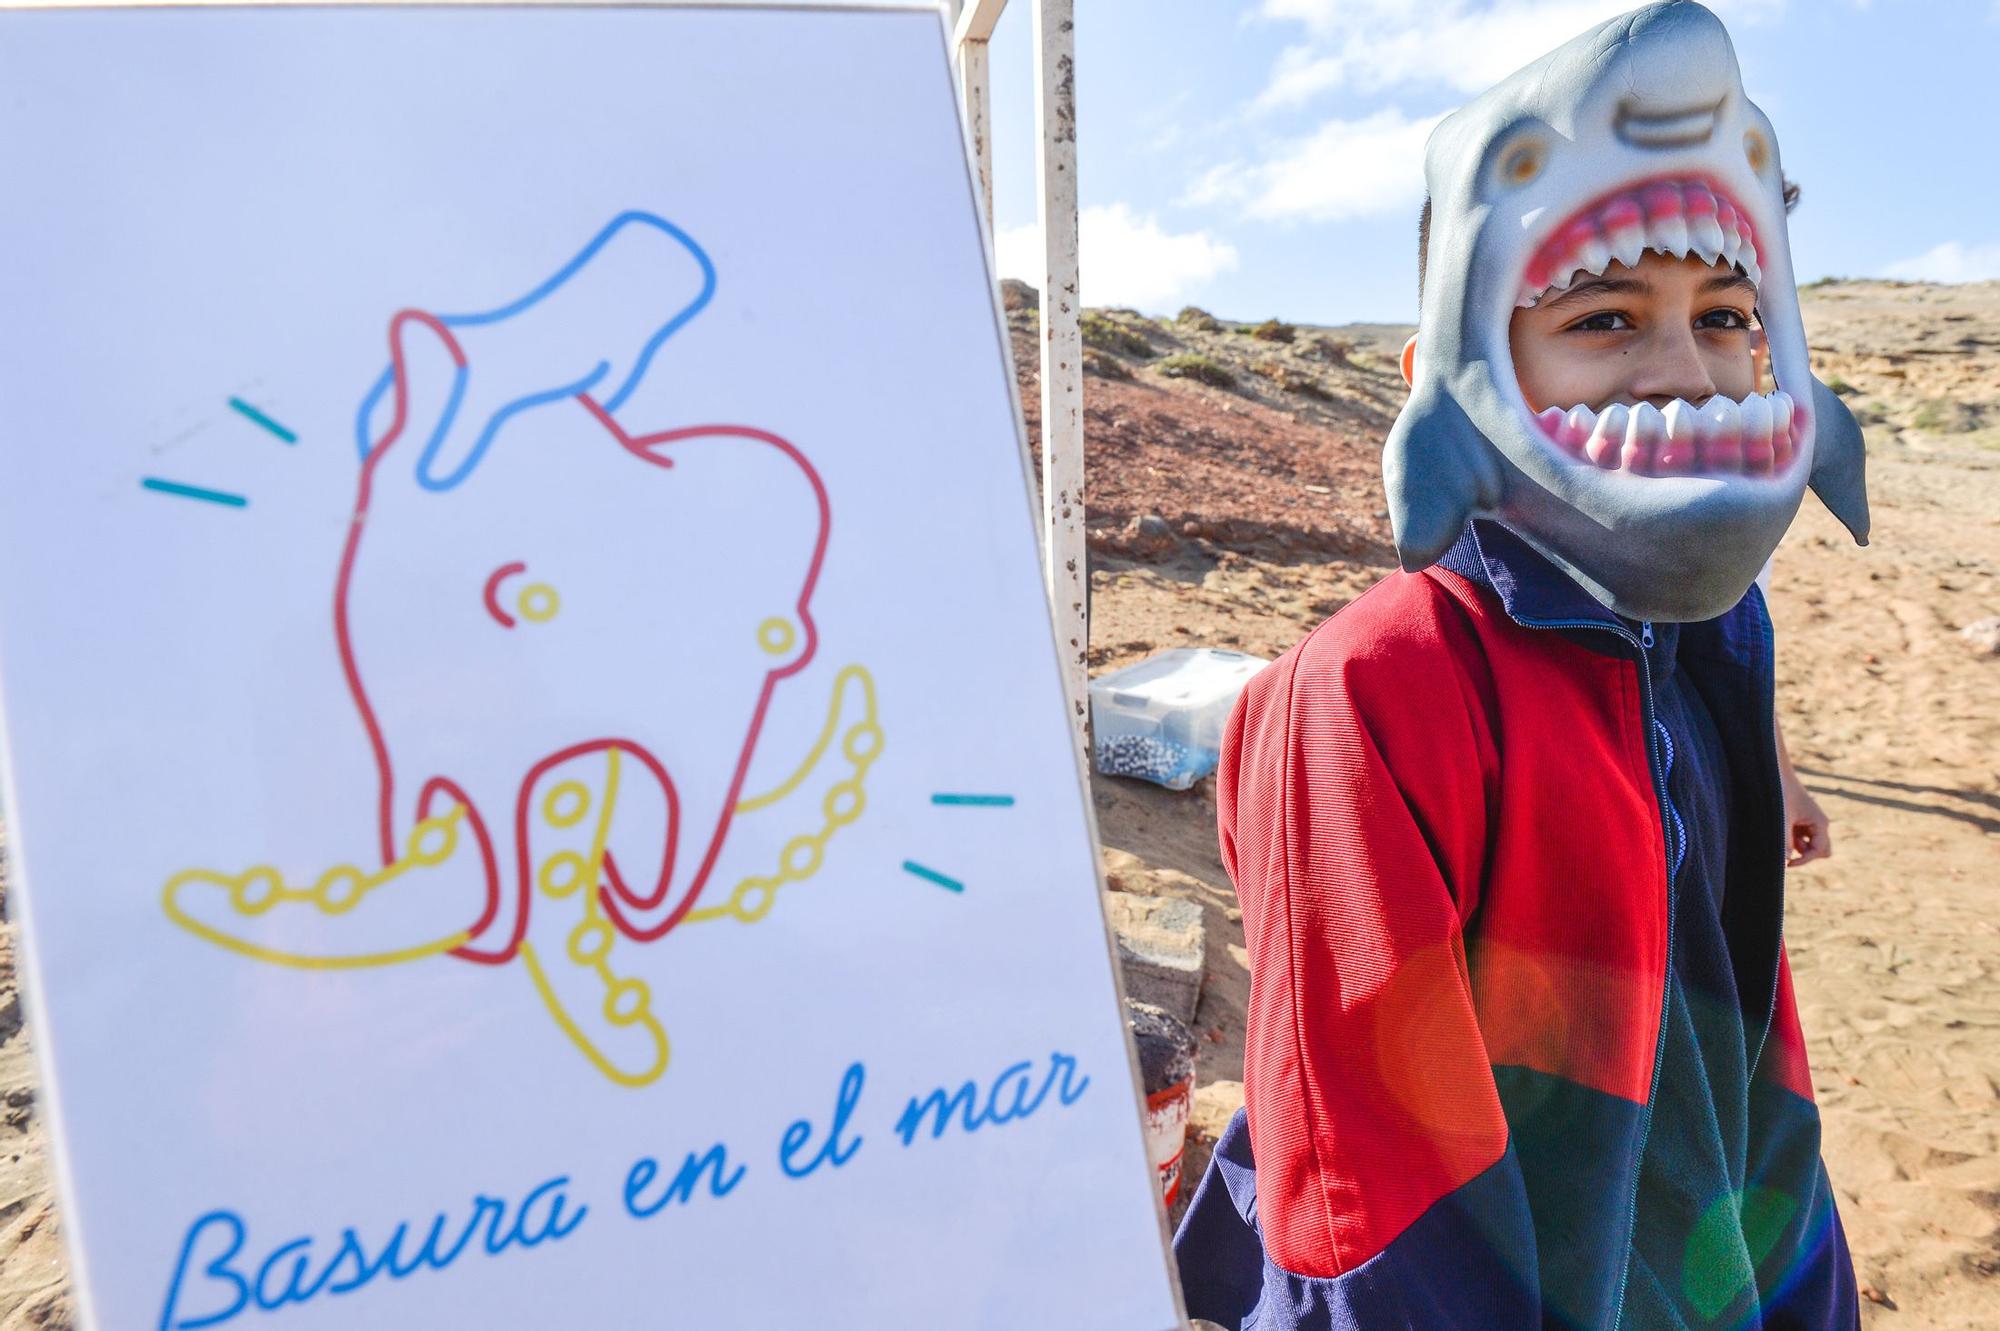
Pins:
x: 1784, y: 848
x: 1648, y: 725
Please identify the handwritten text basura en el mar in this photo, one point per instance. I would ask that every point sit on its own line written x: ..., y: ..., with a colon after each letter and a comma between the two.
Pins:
x: 224, y: 1271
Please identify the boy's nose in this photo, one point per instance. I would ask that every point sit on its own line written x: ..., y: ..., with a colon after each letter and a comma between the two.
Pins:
x: 1672, y: 366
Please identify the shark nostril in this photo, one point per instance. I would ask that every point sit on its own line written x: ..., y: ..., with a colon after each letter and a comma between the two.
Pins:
x: 1678, y: 127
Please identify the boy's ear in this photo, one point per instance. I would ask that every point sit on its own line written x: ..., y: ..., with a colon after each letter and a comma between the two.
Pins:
x: 1409, y: 362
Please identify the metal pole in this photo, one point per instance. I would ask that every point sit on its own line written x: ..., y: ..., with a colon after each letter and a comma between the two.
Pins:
x: 1063, y: 560
x: 973, y: 24
x: 975, y: 91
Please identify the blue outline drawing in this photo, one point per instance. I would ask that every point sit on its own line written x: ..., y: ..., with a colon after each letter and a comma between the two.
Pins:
x: 589, y: 381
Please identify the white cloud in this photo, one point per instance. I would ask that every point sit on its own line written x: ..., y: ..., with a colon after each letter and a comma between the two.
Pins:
x: 1949, y: 262
x: 1463, y: 45
x: 1123, y: 259
x: 1344, y: 169
x: 1301, y: 74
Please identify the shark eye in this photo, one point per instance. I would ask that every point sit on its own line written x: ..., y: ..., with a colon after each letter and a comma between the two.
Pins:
x: 1756, y: 150
x: 1521, y: 164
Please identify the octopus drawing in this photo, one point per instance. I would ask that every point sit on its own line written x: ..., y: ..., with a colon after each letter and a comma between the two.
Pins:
x: 499, y: 590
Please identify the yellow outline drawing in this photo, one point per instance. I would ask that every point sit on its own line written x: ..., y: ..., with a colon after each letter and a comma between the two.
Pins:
x: 802, y: 856
x: 356, y: 884
x: 594, y: 930
x: 561, y: 875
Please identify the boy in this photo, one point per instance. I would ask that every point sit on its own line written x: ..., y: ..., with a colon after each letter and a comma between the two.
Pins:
x: 1522, y: 1047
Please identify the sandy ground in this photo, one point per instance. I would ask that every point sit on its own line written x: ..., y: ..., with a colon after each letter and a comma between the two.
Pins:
x: 34, y: 1281
x: 1265, y: 517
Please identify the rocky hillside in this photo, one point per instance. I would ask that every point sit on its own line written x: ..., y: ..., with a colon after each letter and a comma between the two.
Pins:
x: 1255, y: 438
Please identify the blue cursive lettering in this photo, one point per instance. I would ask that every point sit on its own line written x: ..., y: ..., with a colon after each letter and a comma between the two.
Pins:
x: 797, y: 1135
x: 1007, y: 1098
x: 293, y: 1273
x: 714, y: 1162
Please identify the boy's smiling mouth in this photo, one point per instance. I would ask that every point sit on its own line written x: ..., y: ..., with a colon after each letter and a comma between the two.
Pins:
x: 1723, y: 437
x: 1681, y: 217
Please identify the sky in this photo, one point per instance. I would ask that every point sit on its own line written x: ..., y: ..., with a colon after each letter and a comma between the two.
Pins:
x: 1265, y: 157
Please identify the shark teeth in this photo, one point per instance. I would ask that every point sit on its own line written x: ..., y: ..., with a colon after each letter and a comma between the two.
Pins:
x: 1675, y: 217
x: 1758, y: 436
x: 1680, y: 430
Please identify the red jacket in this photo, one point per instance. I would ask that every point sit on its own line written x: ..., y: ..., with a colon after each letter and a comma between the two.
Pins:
x: 1444, y: 813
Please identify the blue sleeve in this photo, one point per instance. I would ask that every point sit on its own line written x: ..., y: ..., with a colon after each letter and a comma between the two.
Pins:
x: 1467, y: 1264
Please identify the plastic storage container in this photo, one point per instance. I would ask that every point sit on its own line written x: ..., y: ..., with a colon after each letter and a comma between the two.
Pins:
x: 1161, y: 719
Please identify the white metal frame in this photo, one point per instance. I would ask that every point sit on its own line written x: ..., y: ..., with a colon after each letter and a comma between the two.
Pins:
x: 1065, y: 567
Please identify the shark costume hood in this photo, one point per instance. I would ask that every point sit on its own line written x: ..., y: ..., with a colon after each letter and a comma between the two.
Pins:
x: 1635, y: 135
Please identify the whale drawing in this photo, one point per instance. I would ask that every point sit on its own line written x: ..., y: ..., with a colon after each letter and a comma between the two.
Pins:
x: 517, y: 558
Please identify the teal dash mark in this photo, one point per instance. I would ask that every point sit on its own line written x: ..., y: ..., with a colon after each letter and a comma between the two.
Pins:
x: 949, y: 884
x: 193, y: 492
x: 976, y: 801
x: 247, y: 410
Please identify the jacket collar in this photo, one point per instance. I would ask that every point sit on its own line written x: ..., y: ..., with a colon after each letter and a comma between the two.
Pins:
x: 1532, y: 590
x: 1537, y: 594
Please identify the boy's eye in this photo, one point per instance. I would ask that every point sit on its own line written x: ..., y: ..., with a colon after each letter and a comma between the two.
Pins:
x: 1604, y: 321
x: 1723, y: 318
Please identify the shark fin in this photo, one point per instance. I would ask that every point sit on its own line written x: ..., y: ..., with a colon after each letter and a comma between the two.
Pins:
x: 1839, y: 475
x: 1438, y: 470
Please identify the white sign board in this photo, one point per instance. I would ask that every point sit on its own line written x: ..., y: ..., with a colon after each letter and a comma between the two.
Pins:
x: 535, y: 758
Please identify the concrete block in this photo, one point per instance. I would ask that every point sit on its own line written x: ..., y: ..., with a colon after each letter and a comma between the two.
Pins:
x: 1161, y: 943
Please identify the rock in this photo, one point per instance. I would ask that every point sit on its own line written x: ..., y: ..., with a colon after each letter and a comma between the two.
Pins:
x: 1333, y: 350
x: 1146, y: 536
x: 1126, y: 872
x: 1161, y: 941
x: 1193, y: 316
x: 1985, y: 635
x: 1214, y: 1105
x: 1104, y: 365
x: 1018, y: 295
